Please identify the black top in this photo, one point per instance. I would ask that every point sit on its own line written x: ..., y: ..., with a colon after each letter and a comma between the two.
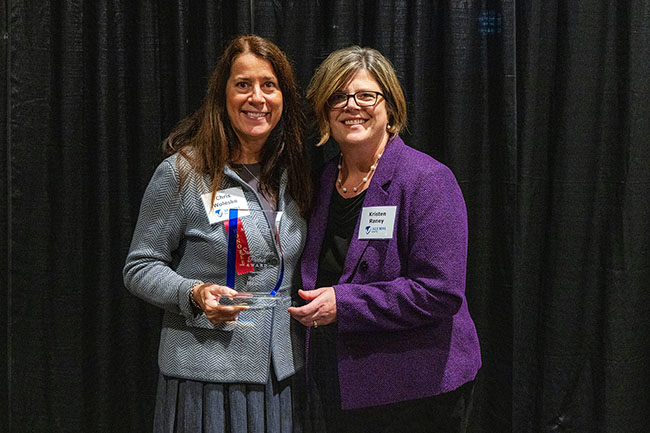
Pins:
x: 341, y: 222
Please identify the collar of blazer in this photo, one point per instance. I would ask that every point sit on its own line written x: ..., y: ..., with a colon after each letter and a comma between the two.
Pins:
x: 281, y: 205
x: 377, y: 194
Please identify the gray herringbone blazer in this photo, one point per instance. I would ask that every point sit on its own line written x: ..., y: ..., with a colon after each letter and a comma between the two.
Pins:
x: 174, y: 247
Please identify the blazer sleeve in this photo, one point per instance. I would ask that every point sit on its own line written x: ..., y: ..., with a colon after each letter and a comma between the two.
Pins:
x: 420, y: 279
x: 148, y: 272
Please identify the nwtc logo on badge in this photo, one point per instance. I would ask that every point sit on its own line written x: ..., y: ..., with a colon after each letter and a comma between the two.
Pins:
x: 219, y: 212
x: 375, y: 230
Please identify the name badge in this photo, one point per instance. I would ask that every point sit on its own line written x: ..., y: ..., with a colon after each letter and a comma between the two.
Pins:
x: 377, y: 222
x: 224, y: 200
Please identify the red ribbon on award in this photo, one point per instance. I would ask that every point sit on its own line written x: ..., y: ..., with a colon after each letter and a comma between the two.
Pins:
x: 243, y: 262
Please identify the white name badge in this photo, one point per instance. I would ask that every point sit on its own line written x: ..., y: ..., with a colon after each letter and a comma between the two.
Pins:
x: 224, y: 200
x: 377, y: 222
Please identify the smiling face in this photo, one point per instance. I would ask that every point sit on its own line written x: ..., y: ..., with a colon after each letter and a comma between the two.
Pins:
x: 354, y: 125
x: 253, y: 100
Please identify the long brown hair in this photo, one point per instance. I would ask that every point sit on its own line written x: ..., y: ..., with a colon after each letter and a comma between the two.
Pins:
x: 208, y: 142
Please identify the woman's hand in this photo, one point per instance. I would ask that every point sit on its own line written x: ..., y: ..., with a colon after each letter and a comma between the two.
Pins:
x: 321, y: 310
x: 207, y: 296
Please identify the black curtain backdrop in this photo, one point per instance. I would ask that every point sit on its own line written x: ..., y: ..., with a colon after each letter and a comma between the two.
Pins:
x: 541, y: 109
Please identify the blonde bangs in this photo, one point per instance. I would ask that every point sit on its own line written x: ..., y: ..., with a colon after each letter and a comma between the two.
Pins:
x: 338, y: 68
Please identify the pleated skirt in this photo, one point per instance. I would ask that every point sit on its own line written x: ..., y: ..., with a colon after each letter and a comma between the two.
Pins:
x: 188, y: 406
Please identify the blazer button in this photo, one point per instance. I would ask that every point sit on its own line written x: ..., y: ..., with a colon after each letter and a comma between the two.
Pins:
x: 273, y: 261
x: 364, y: 266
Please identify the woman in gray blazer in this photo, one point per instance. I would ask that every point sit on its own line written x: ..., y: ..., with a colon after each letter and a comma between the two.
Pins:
x: 223, y: 214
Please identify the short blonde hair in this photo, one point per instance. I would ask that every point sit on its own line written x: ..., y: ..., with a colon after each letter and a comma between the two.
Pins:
x: 338, y: 68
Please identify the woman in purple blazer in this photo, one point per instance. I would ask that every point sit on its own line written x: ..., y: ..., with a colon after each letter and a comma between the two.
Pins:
x: 391, y: 344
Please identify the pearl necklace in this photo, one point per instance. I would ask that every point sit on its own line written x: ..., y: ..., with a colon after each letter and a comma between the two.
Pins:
x: 365, y: 178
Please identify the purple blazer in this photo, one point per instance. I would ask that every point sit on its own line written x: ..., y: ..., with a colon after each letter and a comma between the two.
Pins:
x: 404, y: 331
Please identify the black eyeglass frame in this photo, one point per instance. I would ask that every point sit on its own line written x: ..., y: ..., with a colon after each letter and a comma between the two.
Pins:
x: 354, y: 96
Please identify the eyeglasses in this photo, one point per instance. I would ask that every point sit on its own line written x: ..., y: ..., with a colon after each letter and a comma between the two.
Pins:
x: 363, y: 98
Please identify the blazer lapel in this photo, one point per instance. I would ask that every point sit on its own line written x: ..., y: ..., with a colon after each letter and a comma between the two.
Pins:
x: 376, y: 195
x: 317, y: 227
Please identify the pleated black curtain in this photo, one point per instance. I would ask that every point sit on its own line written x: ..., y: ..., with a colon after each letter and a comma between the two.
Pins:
x: 581, y: 282
x: 541, y: 109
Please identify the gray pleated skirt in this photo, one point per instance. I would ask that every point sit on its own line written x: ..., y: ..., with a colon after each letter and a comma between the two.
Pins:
x: 188, y: 406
